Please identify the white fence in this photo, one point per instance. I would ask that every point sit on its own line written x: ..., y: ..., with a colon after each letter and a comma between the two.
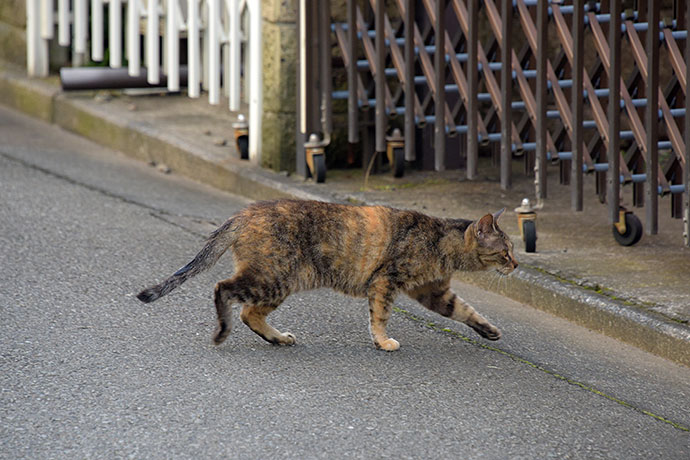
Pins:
x: 216, y: 32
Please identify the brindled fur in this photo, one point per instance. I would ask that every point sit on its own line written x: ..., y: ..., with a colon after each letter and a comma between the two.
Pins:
x: 281, y: 247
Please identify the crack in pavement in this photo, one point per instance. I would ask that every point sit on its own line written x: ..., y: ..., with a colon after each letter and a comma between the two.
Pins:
x: 154, y: 212
x: 434, y: 327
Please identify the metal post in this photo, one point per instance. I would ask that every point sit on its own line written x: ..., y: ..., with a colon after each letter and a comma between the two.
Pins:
x: 301, y: 136
x: 80, y: 19
x: 410, y: 154
x: 439, y: 107
x: 63, y: 22
x: 213, y: 56
x: 172, y: 37
x: 577, y: 101
x: 193, y: 59
x: 473, y: 89
x: 152, y: 49
x: 36, y: 47
x: 115, y: 33
x: 47, y: 19
x: 234, y: 65
x: 652, y: 119
x: 542, y: 44
x: 614, y: 112
x: 256, y: 88
x: 380, y: 78
x: 97, y: 30
x: 686, y: 166
x: 352, y: 105
x: 506, y: 94
x: 325, y: 80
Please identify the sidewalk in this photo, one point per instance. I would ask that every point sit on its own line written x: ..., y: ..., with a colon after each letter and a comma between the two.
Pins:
x: 639, y: 294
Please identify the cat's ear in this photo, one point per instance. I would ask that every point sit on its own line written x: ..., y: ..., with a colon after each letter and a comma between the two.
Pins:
x: 485, y: 225
x: 497, y: 215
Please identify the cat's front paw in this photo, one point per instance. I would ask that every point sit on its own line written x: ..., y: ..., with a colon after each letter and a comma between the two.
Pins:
x: 388, y: 345
x: 488, y: 331
x: 286, y: 338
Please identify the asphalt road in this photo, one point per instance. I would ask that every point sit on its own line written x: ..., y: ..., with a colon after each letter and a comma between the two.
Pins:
x: 87, y: 371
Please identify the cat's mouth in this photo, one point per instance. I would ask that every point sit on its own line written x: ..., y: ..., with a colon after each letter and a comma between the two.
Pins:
x: 506, y: 270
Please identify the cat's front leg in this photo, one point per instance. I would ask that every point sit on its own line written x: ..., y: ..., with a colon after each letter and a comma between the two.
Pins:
x: 438, y: 297
x: 381, y: 297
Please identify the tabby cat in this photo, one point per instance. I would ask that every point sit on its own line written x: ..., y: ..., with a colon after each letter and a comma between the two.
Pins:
x: 377, y: 252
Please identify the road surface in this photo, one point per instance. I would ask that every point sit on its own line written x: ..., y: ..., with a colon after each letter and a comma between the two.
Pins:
x: 87, y: 371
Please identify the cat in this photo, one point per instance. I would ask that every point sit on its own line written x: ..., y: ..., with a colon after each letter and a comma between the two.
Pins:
x: 281, y: 247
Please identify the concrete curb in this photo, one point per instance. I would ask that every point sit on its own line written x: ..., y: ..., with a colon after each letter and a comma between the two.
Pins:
x: 643, y: 329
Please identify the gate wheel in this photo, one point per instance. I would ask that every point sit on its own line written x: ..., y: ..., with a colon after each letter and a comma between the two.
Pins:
x: 243, y: 147
x: 398, y: 162
x: 529, y: 232
x: 319, y: 171
x: 633, y: 230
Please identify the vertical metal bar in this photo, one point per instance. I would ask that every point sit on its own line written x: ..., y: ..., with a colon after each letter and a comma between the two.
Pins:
x: 79, y: 22
x: 173, y: 46
x: 652, y: 119
x: 301, y: 136
x: 47, y: 19
x: 193, y: 58
x: 380, y: 78
x: 440, y: 69
x: 133, y: 47
x: 97, y: 30
x: 152, y: 45
x: 325, y: 81
x: 63, y: 22
x: 542, y: 52
x: 234, y: 55
x: 213, y: 56
x: 256, y: 88
x: 410, y: 154
x: 506, y: 94
x: 686, y: 166
x: 614, y: 111
x: 115, y: 33
x: 473, y: 89
x: 577, y: 105
x: 352, y: 107
x: 36, y: 47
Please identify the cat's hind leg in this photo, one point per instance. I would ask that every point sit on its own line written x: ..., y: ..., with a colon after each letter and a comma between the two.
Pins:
x: 259, y: 298
x: 438, y: 297
x: 254, y: 316
x: 381, y: 298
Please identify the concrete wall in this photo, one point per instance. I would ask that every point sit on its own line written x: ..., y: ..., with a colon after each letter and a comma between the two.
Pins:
x: 12, y: 31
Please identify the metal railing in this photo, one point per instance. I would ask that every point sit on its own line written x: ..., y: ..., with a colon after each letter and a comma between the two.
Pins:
x: 530, y: 88
x: 216, y: 32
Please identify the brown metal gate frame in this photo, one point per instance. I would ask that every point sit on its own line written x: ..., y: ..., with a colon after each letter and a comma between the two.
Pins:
x: 442, y: 75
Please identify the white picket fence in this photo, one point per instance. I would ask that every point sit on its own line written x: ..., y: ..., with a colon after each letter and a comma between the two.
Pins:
x: 215, y: 30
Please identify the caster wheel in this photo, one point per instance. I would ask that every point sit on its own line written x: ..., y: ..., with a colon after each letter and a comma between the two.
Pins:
x: 529, y: 231
x: 633, y: 231
x: 319, y: 171
x: 398, y: 162
x: 243, y: 147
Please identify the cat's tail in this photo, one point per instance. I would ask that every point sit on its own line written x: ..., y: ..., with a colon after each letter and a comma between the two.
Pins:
x: 218, y: 242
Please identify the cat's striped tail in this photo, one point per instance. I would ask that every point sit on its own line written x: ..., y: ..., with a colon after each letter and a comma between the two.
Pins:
x: 218, y: 242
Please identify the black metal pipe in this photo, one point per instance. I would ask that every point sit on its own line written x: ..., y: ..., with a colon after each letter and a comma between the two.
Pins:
x: 81, y: 78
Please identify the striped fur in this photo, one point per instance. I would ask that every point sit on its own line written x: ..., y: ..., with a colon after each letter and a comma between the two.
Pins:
x: 281, y: 247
